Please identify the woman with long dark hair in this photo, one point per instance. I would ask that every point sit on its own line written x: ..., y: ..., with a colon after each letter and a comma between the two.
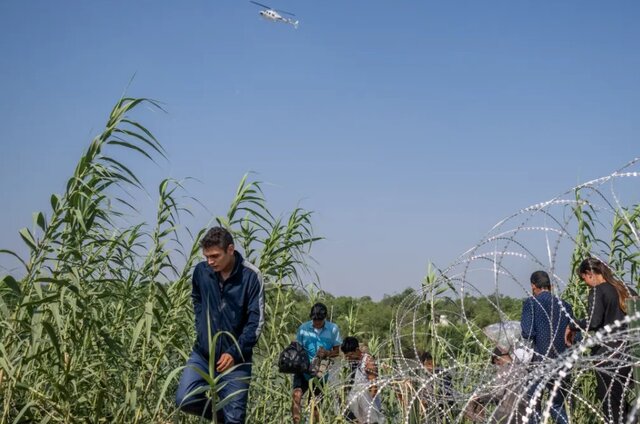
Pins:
x: 607, y: 304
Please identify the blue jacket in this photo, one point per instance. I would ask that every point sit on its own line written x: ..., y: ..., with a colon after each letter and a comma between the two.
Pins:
x: 544, y: 322
x: 237, y: 308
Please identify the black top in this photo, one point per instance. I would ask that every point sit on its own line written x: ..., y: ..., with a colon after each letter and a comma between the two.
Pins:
x: 604, y: 308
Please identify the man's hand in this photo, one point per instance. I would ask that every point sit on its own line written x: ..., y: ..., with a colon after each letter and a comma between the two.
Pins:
x: 334, y: 352
x: 569, y: 336
x: 225, y: 362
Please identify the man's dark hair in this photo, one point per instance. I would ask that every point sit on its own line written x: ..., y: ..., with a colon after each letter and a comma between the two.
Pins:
x: 541, y: 280
x: 349, y: 344
x: 318, y: 311
x: 426, y: 356
x: 217, y: 237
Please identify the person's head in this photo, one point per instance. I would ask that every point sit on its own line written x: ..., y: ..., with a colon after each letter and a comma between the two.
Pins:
x: 351, y: 348
x: 593, y: 272
x: 540, y: 281
x: 500, y: 357
x: 427, y: 360
x: 217, y: 248
x: 318, y: 314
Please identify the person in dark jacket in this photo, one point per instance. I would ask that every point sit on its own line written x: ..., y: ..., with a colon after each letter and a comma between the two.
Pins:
x: 607, y: 304
x: 228, y: 303
x: 544, y: 320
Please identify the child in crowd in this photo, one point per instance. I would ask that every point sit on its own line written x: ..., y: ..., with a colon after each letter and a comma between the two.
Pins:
x: 364, y: 404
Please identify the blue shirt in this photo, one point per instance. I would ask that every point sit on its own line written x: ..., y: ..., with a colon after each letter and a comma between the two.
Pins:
x: 544, y: 320
x: 312, y: 338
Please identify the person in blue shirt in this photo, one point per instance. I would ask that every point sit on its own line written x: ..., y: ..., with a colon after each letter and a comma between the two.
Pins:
x: 544, y: 320
x: 320, y: 338
x: 228, y: 301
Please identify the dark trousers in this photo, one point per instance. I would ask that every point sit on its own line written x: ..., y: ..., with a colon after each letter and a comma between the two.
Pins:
x: 191, y: 394
x: 611, y: 380
x: 558, y: 411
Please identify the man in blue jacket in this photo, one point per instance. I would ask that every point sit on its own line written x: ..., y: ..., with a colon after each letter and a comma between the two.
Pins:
x: 544, y: 320
x: 228, y: 296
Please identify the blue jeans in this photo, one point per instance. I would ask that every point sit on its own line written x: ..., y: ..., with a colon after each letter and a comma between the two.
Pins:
x: 198, y: 403
x: 558, y: 412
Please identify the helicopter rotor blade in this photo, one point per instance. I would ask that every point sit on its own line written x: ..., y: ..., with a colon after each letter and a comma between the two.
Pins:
x: 285, y: 12
x: 260, y: 4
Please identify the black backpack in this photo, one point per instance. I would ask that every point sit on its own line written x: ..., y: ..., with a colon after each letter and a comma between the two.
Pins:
x: 293, y: 359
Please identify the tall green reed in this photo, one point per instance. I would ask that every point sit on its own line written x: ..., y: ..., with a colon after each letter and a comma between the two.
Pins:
x: 99, y: 324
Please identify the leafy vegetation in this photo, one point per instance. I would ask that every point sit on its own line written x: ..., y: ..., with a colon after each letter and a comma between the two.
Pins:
x: 98, y: 324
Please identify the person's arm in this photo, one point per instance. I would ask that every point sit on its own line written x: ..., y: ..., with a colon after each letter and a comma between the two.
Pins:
x: 596, y: 310
x: 572, y: 326
x: 196, y: 299
x: 299, y: 337
x: 337, y: 341
x: 370, y: 367
x: 569, y: 310
x: 255, y: 320
x: 323, y: 353
x: 526, y: 320
x: 372, y: 373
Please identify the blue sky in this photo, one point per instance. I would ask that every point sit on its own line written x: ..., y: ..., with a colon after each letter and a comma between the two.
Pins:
x: 409, y: 127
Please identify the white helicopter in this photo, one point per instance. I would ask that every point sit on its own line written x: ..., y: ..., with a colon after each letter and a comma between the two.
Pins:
x: 274, y: 15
